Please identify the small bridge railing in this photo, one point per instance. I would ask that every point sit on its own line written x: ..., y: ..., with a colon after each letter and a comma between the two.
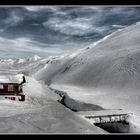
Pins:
x: 107, y: 118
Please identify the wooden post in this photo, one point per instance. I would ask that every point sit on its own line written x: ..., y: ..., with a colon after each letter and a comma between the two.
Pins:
x: 110, y: 118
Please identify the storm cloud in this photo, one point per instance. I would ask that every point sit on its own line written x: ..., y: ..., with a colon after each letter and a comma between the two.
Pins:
x: 54, y: 30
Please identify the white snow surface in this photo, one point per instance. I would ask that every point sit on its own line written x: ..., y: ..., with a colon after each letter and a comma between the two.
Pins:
x: 11, y: 78
x: 40, y: 113
x: 106, y: 73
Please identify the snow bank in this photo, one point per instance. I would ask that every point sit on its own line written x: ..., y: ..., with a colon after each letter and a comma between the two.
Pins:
x: 74, y: 104
x: 34, y: 88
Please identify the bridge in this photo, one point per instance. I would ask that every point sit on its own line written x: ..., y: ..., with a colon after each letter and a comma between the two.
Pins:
x: 104, y: 116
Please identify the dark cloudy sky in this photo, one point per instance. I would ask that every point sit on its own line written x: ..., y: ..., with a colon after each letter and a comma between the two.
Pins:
x: 55, y: 30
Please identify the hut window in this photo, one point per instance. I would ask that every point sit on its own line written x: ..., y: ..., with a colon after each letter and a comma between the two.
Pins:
x: 10, y: 88
x: 1, y: 87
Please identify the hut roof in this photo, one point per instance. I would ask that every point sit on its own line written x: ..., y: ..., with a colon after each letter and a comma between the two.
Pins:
x: 15, y: 79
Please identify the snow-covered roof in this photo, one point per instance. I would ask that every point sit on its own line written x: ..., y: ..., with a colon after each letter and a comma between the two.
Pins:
x: 17, y: 79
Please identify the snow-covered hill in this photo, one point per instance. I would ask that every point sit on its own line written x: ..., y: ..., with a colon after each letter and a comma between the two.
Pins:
x: 106, y: 73
x: 112, y: 62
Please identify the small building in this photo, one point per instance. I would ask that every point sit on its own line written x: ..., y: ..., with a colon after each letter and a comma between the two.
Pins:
x: 11, y: 86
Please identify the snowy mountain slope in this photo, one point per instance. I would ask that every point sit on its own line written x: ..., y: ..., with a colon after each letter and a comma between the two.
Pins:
x: 112, y: 62
x: 106, y: 73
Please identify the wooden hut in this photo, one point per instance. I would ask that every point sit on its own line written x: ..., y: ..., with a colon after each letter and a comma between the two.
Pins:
x: 11, y: 86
